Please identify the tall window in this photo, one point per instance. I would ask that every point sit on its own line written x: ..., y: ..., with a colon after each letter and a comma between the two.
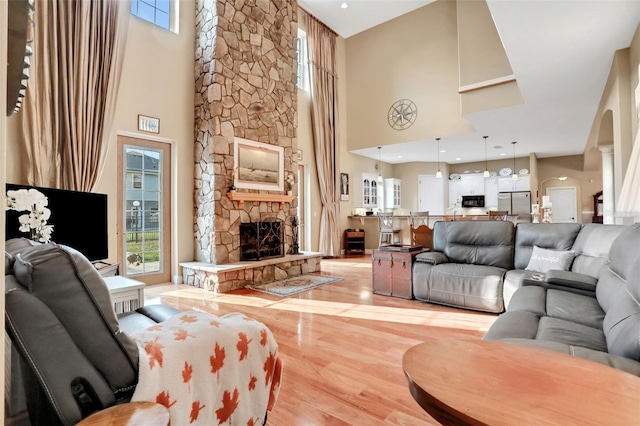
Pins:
x: 155, y: 11
x: 302, y: 77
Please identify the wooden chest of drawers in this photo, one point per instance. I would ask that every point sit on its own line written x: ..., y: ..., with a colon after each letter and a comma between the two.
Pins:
x: 392, y: 274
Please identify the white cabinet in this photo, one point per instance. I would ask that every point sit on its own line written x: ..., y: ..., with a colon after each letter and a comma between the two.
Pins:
x: 369, y: 190
x: 508, y: 184
x: 472, y: 184
x: 392, y: 192
x: 491, y: 192
x: 468, y: 184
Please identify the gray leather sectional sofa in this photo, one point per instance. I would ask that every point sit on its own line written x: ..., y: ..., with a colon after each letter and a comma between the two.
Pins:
x: 480, y: 264
x: 602, y: 325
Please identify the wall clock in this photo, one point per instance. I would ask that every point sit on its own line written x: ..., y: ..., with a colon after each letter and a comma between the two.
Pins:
x: 402, y: 114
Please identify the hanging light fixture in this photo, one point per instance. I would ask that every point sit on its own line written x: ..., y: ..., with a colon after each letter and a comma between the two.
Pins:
x: 438, y: 173
x: 515, y: 174
x: 486, y: 168
x: 379, y: 171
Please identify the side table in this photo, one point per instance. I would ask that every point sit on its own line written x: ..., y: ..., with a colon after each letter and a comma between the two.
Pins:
x: 393, y: 272
x: 126, y: 294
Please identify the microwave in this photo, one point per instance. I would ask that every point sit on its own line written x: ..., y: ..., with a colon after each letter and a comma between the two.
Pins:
x: 473, y: 201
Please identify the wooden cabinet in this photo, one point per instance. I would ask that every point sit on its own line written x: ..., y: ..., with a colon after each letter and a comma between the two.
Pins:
x: 392, y: 193
x: 392, y: 273
x: 508, y: 184
x: 354, y: 241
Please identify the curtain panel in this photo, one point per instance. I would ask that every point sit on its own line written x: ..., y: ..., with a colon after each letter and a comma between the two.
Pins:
x: 324, y: 122
x: 70, y: 103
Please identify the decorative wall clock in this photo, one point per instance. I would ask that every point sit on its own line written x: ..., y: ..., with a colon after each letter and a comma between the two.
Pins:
x: 402, y: 114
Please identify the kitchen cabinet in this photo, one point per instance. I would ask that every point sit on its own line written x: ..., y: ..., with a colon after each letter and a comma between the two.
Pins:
x: 370, y: 192
x: 468, y: 184
x: 508, y: 184
x: 491, y: 191
x: 392, y: 193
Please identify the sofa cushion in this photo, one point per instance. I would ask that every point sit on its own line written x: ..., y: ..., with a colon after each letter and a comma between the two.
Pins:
x: 559, y: 304
x: 475, y: 287
x: 487, y: 243
x: 592, y: 247
x: 512, y: 280
x: 622, y: 328
x: 543, y: 260
x: 554, y: 236
x: 571, y: 333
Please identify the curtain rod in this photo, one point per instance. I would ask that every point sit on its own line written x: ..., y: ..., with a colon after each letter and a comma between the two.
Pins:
x: 313, y: 17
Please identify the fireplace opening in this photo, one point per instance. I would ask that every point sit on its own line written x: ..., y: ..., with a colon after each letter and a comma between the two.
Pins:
x: 261, y: 240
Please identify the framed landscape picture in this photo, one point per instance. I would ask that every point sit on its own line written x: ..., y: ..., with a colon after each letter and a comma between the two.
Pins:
x: 258, y: 165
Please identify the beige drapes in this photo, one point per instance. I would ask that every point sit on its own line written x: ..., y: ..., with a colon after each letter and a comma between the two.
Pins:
x: 70, y: 103
x: 324, y: 120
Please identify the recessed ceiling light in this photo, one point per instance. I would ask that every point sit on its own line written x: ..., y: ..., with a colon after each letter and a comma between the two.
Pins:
x: 443, y: 150
x: 503, y: 153
x: 458, y: 159
x: 399, y: 156
x: 344, y: 5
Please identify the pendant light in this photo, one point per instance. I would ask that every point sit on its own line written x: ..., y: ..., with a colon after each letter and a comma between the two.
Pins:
x: 515, y: 174
x: 379, y: 171
x: 486, y: 168
x: 438, y: 173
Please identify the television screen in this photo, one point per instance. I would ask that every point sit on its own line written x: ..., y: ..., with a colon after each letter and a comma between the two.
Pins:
x: 79, y: 220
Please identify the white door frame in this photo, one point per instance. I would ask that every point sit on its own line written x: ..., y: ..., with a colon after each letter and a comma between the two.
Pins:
x: 176, y: 277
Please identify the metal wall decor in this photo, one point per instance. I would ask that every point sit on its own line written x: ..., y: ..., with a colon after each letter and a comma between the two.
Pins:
x: 402, y: 114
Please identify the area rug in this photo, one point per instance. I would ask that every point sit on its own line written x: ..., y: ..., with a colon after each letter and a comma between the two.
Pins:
x: 294, y: 285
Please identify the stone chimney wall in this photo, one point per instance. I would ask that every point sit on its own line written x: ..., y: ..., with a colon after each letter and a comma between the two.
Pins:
x: 245, y: 75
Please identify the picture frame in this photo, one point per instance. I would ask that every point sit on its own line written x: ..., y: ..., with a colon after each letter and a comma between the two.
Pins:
x: 148, y: 124
x: 344, y: 186
x: 258, y: 165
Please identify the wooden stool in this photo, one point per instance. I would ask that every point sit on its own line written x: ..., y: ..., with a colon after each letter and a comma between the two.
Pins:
x: 142, y: 413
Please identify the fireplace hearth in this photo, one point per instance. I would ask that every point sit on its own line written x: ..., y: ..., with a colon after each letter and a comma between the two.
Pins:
x: 261, y: 240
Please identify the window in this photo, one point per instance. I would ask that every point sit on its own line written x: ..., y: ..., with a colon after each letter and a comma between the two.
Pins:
x: 155, y: 11
x: 302, y: 76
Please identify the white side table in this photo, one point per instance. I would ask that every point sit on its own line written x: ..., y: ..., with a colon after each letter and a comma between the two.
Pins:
x: 126, y: 294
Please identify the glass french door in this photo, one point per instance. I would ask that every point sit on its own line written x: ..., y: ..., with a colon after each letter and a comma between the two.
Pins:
x: 144, y: 225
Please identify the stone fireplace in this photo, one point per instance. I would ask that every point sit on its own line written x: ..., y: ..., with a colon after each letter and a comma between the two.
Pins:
x: 261, y: 240
x: 245, y: 83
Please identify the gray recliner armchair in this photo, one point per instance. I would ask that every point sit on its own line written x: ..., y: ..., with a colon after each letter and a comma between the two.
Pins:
x: 76, y: 356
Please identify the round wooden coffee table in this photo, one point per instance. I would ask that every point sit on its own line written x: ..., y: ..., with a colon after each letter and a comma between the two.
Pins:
x: 480, y: 382
x: 140, y: 413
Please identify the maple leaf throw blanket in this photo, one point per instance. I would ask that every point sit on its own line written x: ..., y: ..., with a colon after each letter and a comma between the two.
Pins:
x: 209, y: 370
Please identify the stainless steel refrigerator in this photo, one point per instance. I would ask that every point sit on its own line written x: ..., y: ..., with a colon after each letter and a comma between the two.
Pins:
x: 517, y: 203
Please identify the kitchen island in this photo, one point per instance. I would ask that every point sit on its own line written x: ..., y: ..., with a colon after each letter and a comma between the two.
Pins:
x: 372, y: 235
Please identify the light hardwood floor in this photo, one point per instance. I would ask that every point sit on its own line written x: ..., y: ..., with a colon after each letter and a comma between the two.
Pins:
x: 341, y: 344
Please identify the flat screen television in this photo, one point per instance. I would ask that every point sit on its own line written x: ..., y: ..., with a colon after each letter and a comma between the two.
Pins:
x: 79, y: 220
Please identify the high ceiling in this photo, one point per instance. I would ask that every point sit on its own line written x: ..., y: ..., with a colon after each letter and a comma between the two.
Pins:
x: 560, y: 52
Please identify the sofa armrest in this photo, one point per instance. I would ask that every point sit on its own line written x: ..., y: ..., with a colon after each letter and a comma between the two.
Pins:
x: 572, y: 279
x: 563, y: 280
x: 432, y: 258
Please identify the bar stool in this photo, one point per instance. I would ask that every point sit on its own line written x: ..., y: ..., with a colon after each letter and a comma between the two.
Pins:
x: 388, y: 235
x: 421, y: 233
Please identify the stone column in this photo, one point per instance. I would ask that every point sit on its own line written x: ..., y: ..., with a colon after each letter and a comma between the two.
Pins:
x: 608, y: 193
x: 245, y: 87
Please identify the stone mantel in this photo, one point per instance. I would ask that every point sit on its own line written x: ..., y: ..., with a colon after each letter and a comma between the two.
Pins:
x: 241, y: 197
